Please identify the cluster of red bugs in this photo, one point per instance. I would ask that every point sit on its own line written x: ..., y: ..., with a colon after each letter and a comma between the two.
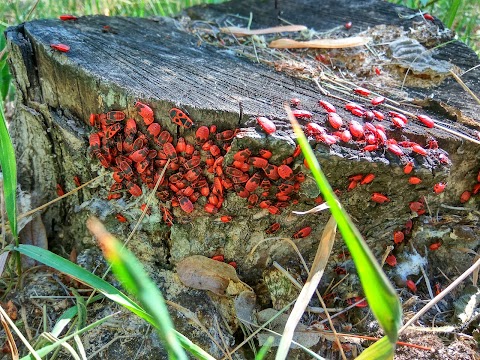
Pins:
x: 371, y: 136
x: 137, y: 151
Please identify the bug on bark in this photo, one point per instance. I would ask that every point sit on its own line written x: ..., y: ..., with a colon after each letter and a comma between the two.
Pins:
x: 302, y: 233
x: 180, y: 118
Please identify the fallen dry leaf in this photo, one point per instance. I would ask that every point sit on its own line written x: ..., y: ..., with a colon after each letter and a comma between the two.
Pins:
x: 237, y: 31
x: 200, y: 272
x: 33, y: 233
x: 11, y: 310
x: 3, y: 261
x: 320, y: 43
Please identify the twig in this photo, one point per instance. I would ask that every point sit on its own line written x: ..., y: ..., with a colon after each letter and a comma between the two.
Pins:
x: 427, y: 282
x: 261, y: 327
x: 19, y: 333
x: 388, y: 250
x: 464, y: 86
x: 21, y: 216
x: 285, y: 273
x: 222, y: 338
x: 293, y: 342
x: 440, y: 296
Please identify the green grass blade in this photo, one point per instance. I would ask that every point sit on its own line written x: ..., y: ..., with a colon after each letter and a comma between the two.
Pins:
x: 65, y: 266
x: 68, y: 316
x: 5, y: 79
x: 382, y: 349
x: 81, y: 309
x: 82, y: 275
x: 380, y: 294
x: 129, y: 271
x: 9, y: 170
x: 264, y: 349
x: 64, y: 320
x: 45, y: 350
x: 73, y: 270
x: 195, y: 350
x: 452, y: 13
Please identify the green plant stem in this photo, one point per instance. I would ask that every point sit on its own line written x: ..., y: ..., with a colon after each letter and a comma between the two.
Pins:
x: 452, y: 13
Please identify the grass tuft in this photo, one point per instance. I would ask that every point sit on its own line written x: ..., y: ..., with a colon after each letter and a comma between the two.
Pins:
x: 9, y: 170
x: 133, y: 277
x: 80, y: 274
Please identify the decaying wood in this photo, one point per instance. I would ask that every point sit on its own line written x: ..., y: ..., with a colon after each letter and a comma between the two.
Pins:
x: 167, y: 62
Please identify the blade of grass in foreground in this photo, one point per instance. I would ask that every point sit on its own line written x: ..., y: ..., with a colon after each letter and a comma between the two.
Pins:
x: 262, y: 353
x: 315, y: 275
x: 73, y: 270
x: 382, y: 349
x: 381, y: 296
x: 9, y: 170
x: 5, y: 78
x: 133, y: 277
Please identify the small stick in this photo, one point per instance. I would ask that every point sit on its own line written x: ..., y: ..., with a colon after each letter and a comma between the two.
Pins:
x: 320, y: 43
x: 440, y: 296
x: 21, y: 216
x: 464, y: 86
x: 427, y: 282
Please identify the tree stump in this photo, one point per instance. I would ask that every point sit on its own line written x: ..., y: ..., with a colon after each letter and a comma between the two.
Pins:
x: 186, y: 63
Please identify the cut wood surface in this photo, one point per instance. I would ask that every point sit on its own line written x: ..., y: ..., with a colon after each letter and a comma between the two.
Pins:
x: 189, y: 64
x: 154, y: 61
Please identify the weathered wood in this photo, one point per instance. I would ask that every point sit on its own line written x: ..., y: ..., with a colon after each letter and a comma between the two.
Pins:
x: 332, y: 14
x: 161, y: 62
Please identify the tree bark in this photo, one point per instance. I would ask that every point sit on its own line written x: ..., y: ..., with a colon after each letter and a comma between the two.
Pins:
x: 173, y: 63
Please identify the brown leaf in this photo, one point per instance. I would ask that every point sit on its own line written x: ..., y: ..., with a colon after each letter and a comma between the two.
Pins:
x: 33, y: 233
x: 11, y: 310
x: 9, y: 346
x: 320, y: 43
x: 3, y: 261
x: 200, y: 272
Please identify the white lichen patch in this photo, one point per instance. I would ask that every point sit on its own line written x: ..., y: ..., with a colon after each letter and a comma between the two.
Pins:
x: 410, y: 264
